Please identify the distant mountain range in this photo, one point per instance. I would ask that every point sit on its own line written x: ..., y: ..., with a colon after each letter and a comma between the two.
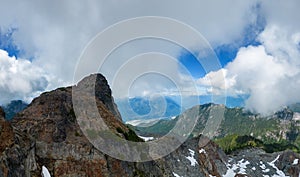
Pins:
x: 166, y: 107
x: 283, y: 127
x: 13, y: 108
x: 143, y: 109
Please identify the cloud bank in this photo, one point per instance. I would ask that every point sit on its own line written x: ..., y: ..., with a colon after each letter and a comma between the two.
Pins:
x: 53, y: 35
x: 269, y: 73
x: 20, y: 79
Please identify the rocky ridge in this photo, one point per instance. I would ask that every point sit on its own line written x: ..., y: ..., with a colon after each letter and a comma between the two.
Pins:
x: 46, y: 134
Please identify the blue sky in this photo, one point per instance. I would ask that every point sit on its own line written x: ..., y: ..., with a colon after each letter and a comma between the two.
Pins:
x: 227, y: 52
x: 7, y: 42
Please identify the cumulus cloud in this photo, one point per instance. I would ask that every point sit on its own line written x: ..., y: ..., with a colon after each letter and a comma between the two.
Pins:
x: 269, y: 73
x: 216, y: 79
x: 19, y: 79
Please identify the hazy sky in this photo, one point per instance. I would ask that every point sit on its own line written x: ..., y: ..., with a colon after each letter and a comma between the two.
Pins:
x: 257, y: 43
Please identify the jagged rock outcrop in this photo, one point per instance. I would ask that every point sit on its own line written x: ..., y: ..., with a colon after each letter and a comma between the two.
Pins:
x: 256, y: 162
x: 97, y: 86
x: 285, y: 114
x: 46, y: 133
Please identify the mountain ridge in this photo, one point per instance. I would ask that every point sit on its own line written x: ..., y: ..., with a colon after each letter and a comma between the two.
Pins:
x: 46, y: 134
x: 283, y: 125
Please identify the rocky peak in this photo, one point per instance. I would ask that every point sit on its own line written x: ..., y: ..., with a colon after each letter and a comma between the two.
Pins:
x: 97, y: 85
x: 47, y: 133
x: 285, y: 114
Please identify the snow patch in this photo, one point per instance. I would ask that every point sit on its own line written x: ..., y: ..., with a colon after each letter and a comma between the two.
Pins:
x: 176, y: 175
x: 202, y: 151
x: 146, y: 138
x: 279, y: 172
x: 230, y: 172
x: 143, y: 123
x: 45, y: 172
x: 296, y: 161
x: 241, y: 166
x: 191, y: 158
x: 262, y: 165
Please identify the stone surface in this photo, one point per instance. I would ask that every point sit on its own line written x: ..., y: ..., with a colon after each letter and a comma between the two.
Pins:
x: 6, y: 132
x: 96, y: 85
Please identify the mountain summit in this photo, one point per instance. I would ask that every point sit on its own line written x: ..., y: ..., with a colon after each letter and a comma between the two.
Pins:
x: 97, y: 86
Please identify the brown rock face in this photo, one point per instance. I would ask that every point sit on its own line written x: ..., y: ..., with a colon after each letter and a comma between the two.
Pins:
x: 96, y: 85
x: 47, y: 134
x: 6, y: 132
x: 212, y: 158
x: 6, y: 139
x: 285, y: 163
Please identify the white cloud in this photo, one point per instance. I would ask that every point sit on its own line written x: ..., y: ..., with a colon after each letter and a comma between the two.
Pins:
x: 281, y: 43
x: 211, y: 18
x: 152, y: 74
x: 56, y: 32
x: 256, y: 73
x: 282, y: 13
x: 269, y: 73
x: 217, y: 80
x: 19, y: 79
